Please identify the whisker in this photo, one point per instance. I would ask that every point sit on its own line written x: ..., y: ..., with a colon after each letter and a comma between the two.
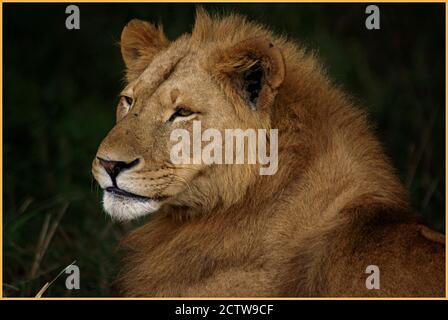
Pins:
x: 182, y: 180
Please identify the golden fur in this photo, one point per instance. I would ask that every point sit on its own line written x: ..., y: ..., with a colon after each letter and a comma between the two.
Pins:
x: 334, y: 207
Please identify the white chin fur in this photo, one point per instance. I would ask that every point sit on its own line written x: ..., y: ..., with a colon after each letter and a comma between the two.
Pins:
x: 123, y: 208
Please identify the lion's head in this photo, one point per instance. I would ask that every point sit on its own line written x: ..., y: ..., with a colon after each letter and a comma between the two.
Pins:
x: 221, y: 77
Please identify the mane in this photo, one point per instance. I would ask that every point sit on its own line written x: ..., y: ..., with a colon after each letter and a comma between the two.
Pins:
x: 232, y: 27
x: 315, y: 115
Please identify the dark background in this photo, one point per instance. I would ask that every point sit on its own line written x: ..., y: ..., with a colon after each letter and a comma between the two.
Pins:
x: 60, y: 91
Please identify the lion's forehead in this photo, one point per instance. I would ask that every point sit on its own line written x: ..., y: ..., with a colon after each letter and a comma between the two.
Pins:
x: 179, y: 58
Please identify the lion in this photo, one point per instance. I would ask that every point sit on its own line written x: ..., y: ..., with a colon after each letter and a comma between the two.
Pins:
x: 333, y: 221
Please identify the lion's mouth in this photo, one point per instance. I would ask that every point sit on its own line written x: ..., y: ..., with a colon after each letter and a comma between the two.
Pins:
x: 124, y: 205
x: 123, y: 193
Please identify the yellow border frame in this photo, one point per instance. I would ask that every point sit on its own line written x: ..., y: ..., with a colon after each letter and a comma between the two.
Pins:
x: 224, y: 1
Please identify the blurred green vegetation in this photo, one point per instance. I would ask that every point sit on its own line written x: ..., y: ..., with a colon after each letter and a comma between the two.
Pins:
x: 60, y: 91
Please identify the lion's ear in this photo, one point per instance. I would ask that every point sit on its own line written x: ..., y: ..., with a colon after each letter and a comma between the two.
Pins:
x: 140, y: 42
x: 255, y: 70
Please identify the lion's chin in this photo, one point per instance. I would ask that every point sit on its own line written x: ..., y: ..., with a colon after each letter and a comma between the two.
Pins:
x: 122, y: 208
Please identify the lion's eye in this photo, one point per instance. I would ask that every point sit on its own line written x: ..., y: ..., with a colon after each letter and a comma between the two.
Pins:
x: 126, y: 100
x: 180, y: 112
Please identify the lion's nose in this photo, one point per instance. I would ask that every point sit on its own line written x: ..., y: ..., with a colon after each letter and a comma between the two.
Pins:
x: 113, y: 168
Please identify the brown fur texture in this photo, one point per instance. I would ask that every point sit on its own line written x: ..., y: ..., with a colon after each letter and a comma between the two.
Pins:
x: 334, y: 207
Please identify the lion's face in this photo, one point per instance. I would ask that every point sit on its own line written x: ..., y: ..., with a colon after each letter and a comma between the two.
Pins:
x: 170, y: 85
